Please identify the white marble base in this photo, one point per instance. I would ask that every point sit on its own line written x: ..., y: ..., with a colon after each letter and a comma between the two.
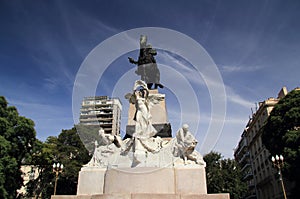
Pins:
x: 178, y: 180
x: 140, y: 180
x: 91, y: 181
x: 146, y: 196
x: 190, y: 180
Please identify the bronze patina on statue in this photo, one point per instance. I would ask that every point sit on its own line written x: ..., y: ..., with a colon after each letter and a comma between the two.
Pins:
x: 147, y: 67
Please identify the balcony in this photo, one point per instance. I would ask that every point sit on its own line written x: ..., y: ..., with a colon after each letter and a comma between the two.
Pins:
x: 90, y: 123
x: 109, y: 119
x: 245, y: 167
x: 245, y: 156
x: 105, y: 123
x: 95, y: 112
x: 248, y: 176
x: 242, y: 145
x: 97, y: 106
x: 88, y: 119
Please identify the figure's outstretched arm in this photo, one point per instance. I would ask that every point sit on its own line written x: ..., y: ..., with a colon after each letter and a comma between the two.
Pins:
x: 132, y: 61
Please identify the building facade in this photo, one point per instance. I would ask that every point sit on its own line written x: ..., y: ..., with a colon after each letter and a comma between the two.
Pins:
x: 254, y: 158
x: 102, y: 111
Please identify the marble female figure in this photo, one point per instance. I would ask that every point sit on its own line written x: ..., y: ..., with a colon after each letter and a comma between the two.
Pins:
x: 143, y: 117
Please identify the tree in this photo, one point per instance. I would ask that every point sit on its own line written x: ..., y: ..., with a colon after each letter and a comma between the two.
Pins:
x: 19, y: 146
x: 17, y: 137
x: 281, y: 134
x: 43, y: 157
x: 223, y: 176
x: 67, y: 149
x: 73, y: 154
x: 8, y: 166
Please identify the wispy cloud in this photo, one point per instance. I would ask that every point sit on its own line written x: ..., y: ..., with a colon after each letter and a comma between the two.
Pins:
x: 53, y: 62
x: 58, y: 54
x: 85, y: 25
x: 49, y: 119
x: 240, y: 68
x: 38, y: 109
x: 233, y: 97
x: 182, y: 66
x: 51, y: 83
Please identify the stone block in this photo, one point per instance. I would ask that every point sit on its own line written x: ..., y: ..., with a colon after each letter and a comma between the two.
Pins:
x: 179, y: 180
x: 146, y: 196
x: 91, y: 181
x: 83, y: 197
x: 154, y: 196
x: 65, y: 197
x: 190, y: 180
x: 111, y: 196
x: 140, y: 180
x: 206, y: 196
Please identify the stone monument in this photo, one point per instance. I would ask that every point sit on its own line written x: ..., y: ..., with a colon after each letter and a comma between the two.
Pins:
x: 148, y: 70
x: 143, y: 164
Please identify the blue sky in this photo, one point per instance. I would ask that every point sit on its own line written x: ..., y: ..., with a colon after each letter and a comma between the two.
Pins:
x: 254, y: 44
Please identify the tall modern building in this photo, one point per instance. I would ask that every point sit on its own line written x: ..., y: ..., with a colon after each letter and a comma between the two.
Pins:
x: 102, y: 111
x: 254, y: 158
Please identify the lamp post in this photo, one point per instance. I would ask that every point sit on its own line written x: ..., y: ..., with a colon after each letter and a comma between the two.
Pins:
x: 278, y: 163
x: 57, y: 169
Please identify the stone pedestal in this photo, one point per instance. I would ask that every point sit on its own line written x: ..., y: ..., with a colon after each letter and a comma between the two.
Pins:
x: 143, y: 183
x: 145, y: 196
x: 142, y: 180
x: 190, y: 180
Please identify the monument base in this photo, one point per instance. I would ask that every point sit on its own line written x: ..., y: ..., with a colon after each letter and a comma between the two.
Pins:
x: 146, y: 196
x: 187, y: 182
x: 178, y: 180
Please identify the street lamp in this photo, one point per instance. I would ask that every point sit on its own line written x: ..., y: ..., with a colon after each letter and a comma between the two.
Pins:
x: 57, y: 168
x: 278, y: 163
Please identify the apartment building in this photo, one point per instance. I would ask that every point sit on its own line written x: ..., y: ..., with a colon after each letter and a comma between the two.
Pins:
x: 102, y: 111
x: 254, y: 158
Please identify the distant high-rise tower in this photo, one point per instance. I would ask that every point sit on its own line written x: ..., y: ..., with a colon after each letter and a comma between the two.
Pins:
x: 101, y: 111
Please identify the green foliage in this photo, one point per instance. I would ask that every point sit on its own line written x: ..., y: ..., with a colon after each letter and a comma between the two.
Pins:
x: 223, y: 176
x: 19, y: 146
x: 67, y: 149
x: 7, y: 165
x: 281, y: 134
x: 42, y: 158
x: 73, y: 155
x: 17, y: 138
